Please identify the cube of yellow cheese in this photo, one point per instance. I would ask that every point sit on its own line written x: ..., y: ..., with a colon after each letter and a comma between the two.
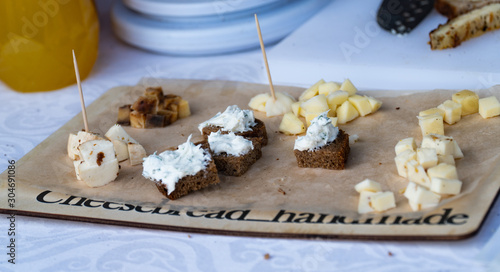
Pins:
x: 446, y: 186
x: 448, y: 159
x: 420, y: 197
x: 383, y: 201
x: 452, y: 111
x: 291, y: 124
x: 328, y: 87
x: 417, y: 174
x: 469, y: 101
x: 337, y: 98
x: 348, y: 87
x: 489, y: 107
x: 346, y: 112
x: 296, y: 108
x: 443, y: 170
x: 311, y: 91
x: 368, y: 185
x: 401, y: 161
x: 427, y: 157
x: 361, y: 104
x: 183, y: 109
x: 405, y: 144
x: 431, y: 111
x: 258, y: 102
x: 316, y: 104
x: 444, y: 145
x: 374, y: 103
x: 432, y: 123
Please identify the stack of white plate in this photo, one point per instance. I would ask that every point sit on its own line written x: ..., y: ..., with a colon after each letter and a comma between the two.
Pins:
x: 202, y: 27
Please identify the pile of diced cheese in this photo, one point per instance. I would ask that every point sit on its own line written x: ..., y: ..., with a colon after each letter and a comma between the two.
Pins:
x: 371, y: 197
x: 340, y: 100
x: 451, y: 111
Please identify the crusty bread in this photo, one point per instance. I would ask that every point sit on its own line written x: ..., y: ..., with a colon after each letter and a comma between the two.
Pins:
x: 465, y: 27
x: 258, y: 131
x: 332, y: 156
x: 454, y: 8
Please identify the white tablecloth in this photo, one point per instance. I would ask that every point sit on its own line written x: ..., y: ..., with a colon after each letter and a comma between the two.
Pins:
x: 57, y: 245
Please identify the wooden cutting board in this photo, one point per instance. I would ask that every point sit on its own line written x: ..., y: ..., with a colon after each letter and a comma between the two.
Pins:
x: 275, y: 198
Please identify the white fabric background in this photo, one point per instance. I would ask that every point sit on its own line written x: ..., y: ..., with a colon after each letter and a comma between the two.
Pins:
x: 57, y: 245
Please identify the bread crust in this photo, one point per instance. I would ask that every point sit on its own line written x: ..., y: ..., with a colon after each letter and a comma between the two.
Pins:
x: 454, y: 8
x: 258, y: 131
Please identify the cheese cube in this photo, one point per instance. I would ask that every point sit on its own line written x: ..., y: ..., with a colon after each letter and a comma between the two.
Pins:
x: 489, y: 107
x: 448, y: 159
x: 446, y: 186
x: 417, y: 174
x: 291, y: 124
x: 121, y: 150
x: 296, y: 108
x: 443, y: 170
x: 431, y: 111
x: 420, y: 197
x: 432, y: 123
x: 374, y: 103
x: 405, y: 144
x: 348, y: 87
x: 328, y: 87
x: 75, y: 140
x: 316, y: 104
x: 444, y: 145
x: 346, y: 112
x: 458, y: 152
x: 258, y: 102
x: 383, y: 201
x: 97, y: 152
x: 311, y: 91
x: 402, y: 159
x: 184, y: 110
x: 94, y: 175
x: 469, y: 101
x: 117, y: 132
x: 368, y: 185
x: 364, y: 202
x: 136, y: 153
x: 361, y: 104
x: 337, y: 98
x: 452, y: 111
x: 427, y: 157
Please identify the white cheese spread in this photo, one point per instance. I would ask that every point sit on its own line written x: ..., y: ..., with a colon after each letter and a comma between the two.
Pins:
x: 233, y: 119
x: 320, y: 133
x: 230, y: 143
x: 172, y: 165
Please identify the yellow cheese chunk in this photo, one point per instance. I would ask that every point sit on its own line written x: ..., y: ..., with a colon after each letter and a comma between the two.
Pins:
x: 427, y: 157
x: 328, y: 87
x: 405, y: 144
x: 489, y: 107
x: 258, y: 102
x: 443, y: 170
x: 431, y: 111
x: 469, y: 101
x: 346, y: 112
x: 383, y: 201
x: 374, y: 103
x: 402, y: 159
x: 291, y: 124
x: 417, y: 174
x: 311, y: 91
x: 432, y: 123
x: 296, y: 108
x: 420, y: 198
x: 446, y: 186
x: 348, y: 87
x: 452, y: 111
x: 316, y: 104
x: 368, y: 185
x: 361, y: 104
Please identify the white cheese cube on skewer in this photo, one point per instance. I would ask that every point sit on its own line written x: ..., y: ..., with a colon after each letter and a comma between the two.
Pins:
x: 427, y: 157
x: 402, y: 159
x: 432, y: 123
x: 443, y: 170
x: 417, y: 174
x: 76, y: 140
x: 407, y: 143
x: 97, y: 152
x: 383, y: 201
x: 452, y: 111
x: 94, y: 175
x: 489, y: 107
x: 446, y: 186
x: 368, y: 185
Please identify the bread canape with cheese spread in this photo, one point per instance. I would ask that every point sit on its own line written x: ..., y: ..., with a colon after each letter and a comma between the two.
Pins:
x: 323, y: 146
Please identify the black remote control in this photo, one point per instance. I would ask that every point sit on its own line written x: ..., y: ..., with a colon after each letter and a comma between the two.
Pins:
x: 402, y: 16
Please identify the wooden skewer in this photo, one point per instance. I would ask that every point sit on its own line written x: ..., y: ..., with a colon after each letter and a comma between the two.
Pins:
x: 265, y: 58
x: 77, y: 73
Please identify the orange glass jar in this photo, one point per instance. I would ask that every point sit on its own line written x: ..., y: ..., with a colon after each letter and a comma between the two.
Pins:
x: 36, y: 39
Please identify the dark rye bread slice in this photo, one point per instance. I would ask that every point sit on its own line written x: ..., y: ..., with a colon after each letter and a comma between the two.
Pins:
x: 331, y: 156
x: 192, y: 183
x: 258, y: 131
x: 454, y: 8
x: 230, y: 165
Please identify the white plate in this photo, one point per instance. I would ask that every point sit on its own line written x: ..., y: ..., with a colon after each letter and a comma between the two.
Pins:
x: 195, y: 37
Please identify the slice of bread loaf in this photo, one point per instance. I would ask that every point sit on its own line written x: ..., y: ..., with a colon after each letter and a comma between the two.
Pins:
x: 465, y: 27
x: 454, y: 8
